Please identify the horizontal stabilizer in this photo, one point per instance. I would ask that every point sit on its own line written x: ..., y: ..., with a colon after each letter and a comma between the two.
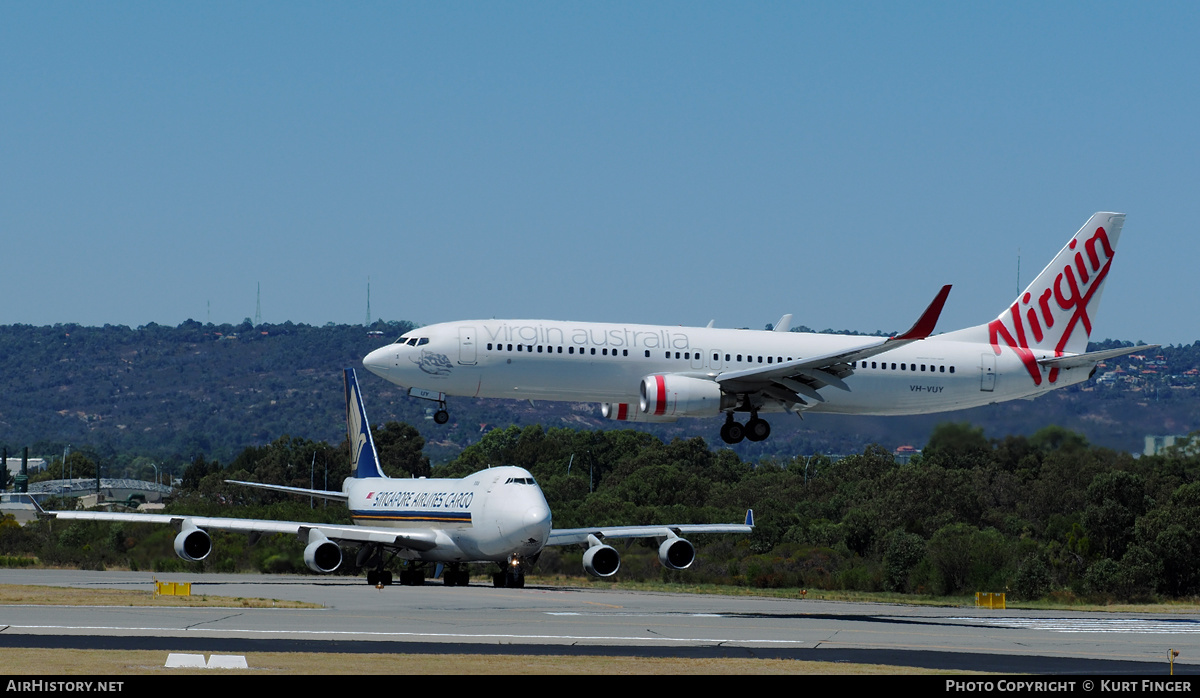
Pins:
x: 1090, y: 358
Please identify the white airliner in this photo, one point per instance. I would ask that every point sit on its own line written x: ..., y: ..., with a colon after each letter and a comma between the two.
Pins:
x: 647, y: 373
x: 496, y: 515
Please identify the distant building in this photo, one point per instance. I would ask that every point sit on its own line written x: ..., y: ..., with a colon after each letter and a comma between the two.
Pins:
x: 35, y: 465
x: 1157, y: 445
x: 110, y: 488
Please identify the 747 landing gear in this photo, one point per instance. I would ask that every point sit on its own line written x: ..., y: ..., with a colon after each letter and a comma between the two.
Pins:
x: 756, y: 429
x: 511, y: 575
x: 456, y: 575
x: 441, y: 416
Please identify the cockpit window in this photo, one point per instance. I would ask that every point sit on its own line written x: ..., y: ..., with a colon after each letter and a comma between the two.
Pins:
x: 423, y: 340
x: 520, y: 481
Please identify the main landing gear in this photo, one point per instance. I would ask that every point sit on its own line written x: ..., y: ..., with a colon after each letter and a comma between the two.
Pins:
x: 371, y: 556
x: 756, y: 429
x: 456, y: 575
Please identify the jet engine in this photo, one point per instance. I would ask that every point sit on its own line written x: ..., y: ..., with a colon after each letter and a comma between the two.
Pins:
x: 192, y: 544
x: 683, y: 396
x: 624, y: 412
x: 321, y: 555
x: 676, y: 553
x: 601, y: 560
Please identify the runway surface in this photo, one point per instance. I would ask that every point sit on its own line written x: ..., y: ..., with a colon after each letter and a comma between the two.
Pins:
x: 480, y: 619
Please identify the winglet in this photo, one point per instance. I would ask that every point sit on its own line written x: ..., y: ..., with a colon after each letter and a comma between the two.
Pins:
x: 750, y: 518
x: 364, y: 461
x: 928, y: 319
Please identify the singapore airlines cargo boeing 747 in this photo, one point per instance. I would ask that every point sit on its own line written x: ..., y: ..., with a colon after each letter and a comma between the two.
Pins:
x: 644, y: 373
x: 496, y: 515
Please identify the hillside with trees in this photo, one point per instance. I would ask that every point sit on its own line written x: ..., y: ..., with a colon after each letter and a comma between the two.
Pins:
x: 170, y: 394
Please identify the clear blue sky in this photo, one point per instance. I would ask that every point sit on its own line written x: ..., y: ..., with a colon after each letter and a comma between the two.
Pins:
x: 669, y: 162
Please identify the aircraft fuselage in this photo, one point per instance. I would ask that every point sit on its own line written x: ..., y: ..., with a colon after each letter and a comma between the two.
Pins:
x: 489, y: 515
x: 600, y: 362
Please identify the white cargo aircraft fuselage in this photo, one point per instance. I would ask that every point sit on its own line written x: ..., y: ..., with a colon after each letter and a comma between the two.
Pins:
x: 661, y: 373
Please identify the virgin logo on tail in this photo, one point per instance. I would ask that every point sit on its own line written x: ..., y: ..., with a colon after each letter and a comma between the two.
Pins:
x: 1059, y: 306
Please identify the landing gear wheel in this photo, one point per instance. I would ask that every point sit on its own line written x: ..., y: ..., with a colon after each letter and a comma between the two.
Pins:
x: 757, y: 429
x: 509, y: 579
x: 732, y: 432
x: 412, y: 578
x: 379, y: 578
x: 457, y: 578
x: 441, y: 416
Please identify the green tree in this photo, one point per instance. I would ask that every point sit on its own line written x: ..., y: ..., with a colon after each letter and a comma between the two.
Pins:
x: 401, y: 450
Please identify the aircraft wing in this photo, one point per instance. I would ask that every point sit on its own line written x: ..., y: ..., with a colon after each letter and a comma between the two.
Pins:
x: 1090, y: 358
x: 792, y: 381
x: 412, y: 539
x: 323, y: 494
x: 569, y: 536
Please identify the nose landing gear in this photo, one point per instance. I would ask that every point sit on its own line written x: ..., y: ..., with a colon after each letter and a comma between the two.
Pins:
x: 441, y: 416
x: 512, y: 576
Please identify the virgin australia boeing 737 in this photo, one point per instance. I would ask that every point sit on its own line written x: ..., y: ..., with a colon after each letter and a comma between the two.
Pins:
x: 660, y: 373
x: 496, y: 515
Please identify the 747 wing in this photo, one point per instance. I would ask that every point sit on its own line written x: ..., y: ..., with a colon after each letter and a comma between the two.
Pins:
x: 674, y: 552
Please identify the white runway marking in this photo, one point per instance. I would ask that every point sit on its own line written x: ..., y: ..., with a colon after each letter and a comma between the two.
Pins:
x: 1095, y: 625
x: 443, y: 636
x: 630, y: 614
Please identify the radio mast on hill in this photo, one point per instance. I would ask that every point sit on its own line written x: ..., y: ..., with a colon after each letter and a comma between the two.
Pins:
x: 368, y: 302
x: 258, y: 306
